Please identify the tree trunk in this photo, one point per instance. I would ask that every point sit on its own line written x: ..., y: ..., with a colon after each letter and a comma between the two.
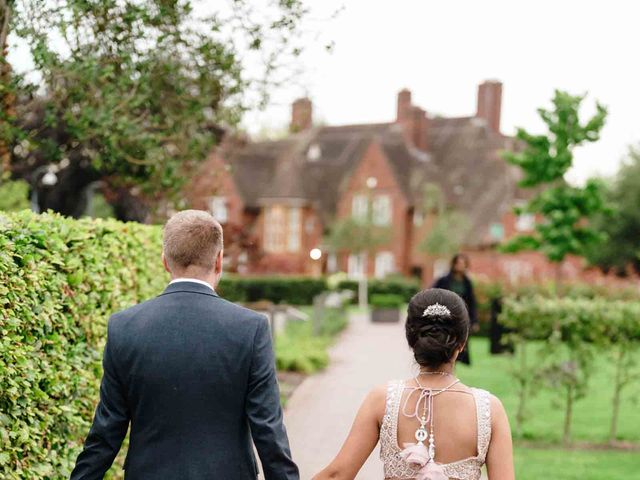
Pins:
x: 7, y: 99
x: 559, y: 279
x: 568, y: 416
x: 522, y: 394
x: 617, y: 389
x: 363, y: 287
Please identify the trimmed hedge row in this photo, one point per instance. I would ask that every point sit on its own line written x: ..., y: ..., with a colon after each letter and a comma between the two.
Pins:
x: 60, y: 279
x: 404, y: 288
x: 290, y: 290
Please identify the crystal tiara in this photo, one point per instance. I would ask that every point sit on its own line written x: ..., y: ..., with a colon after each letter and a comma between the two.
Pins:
x: 436, y: 310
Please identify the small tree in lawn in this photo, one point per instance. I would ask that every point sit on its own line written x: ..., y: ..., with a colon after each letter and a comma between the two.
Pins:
x: 564, y: 210
x: 450, y: 228
x: 359, y: 235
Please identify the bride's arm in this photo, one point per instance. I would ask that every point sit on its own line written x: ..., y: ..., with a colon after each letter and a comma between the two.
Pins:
x: 500, y: 454
x: 361, y: 440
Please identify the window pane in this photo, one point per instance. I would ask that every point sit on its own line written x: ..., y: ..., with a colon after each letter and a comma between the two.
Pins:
x: 385, y: 264
x: 293, y: 238
x: 355, y: 266
x: 275, y: 229
x: 382, y: 210
x: 360, y: 206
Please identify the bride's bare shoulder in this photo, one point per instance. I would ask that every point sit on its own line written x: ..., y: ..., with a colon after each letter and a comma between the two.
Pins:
x: 375, y: 400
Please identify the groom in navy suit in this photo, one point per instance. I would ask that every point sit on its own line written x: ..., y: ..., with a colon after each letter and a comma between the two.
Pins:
x: 193, y: 374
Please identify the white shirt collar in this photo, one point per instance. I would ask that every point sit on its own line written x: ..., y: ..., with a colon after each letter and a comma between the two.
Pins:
x: 194, y: 280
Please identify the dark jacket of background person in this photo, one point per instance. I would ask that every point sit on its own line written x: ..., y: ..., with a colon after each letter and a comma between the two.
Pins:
x: 195, y: 375
x: 470, y: 299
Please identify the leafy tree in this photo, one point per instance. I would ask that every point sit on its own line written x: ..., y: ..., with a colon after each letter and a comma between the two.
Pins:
x: 137, y: 90
x: 622, y: 223
x: 565, y: 211
x: 14, y: 195
x: 359, y: 236
x: 450, y: 228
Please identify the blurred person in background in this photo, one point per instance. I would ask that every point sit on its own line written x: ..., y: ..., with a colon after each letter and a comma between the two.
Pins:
x: 459, y: 282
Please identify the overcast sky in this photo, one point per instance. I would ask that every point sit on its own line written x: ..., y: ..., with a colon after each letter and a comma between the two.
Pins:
x: 441, y: 50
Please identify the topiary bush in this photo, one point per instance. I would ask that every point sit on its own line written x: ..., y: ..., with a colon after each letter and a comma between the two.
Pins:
x: 60, y: 279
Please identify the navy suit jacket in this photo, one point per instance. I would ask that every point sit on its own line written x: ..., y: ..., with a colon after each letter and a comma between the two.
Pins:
x: 195, y: 377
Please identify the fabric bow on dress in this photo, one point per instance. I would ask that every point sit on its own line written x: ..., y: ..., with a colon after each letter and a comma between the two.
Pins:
x: 417, y: 454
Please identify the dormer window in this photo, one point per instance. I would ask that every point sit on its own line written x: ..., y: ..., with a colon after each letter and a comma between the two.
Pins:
x: 314, y: 153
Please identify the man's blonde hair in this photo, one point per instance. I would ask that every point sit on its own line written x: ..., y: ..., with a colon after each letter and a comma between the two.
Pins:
x: 192, y: 238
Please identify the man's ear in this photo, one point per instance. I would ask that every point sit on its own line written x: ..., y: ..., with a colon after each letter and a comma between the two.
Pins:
x: 219, y: 261
x: 164, y: 262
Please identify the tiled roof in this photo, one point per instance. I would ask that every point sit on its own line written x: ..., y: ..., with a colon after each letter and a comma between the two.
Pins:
x: 312, y: 166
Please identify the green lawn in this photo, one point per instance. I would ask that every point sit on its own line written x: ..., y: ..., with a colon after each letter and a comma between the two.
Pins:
x: 592, y: 414
x: 558, y: 464
x: 545, y: 421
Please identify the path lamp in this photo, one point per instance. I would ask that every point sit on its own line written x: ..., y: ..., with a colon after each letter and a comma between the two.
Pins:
x: 316, y: 267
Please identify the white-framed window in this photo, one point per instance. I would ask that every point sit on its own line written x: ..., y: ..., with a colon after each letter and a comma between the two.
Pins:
x: 332, y: 263
x: 355, y: 265
x: 293, y: 231
x: 525, y: 222
x: 218, y: 208
x: 385, y: 264
x: 275, y: 228
x: 360, y: 206
x: 382, y: 210
x: 418, y: 218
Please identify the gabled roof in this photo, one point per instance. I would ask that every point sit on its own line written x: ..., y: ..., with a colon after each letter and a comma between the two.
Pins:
x: 313, y: 166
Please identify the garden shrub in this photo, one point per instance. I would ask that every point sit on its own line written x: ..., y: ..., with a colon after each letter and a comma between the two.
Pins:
x: 60, y: 279
x: 406, y: 288
x: 387, y: 300
x: 284, y: 289
x: 298, y: 349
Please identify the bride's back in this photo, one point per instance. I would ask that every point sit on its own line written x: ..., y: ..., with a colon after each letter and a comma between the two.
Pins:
x: 455, y: 420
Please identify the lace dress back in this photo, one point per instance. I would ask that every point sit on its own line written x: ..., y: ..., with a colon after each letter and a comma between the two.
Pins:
x: 395, y: 467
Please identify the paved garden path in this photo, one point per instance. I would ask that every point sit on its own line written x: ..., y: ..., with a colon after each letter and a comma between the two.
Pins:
x: 321, y: 410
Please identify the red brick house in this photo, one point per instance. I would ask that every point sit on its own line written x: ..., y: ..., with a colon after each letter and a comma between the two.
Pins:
x: 287, y: 193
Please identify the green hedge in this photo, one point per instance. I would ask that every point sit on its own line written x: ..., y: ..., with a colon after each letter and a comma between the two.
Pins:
x: 405, y: 288
x: 59, y: 281
x: 284, y: 289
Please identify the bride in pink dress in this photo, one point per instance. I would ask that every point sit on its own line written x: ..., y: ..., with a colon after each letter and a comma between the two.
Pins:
x: 432, y: 426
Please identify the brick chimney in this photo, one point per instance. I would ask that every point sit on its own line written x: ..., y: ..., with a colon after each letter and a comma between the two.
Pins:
x: 420, y: 126
x: 404, y: 105
x: 413, y: 119
x: 301, y: 115
x: 490, y: 103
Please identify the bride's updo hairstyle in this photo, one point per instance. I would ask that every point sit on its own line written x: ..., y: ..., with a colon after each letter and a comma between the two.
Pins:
x: 437, y: 325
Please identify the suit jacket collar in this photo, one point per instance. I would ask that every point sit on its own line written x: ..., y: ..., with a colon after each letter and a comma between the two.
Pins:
x: 191, y: 287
